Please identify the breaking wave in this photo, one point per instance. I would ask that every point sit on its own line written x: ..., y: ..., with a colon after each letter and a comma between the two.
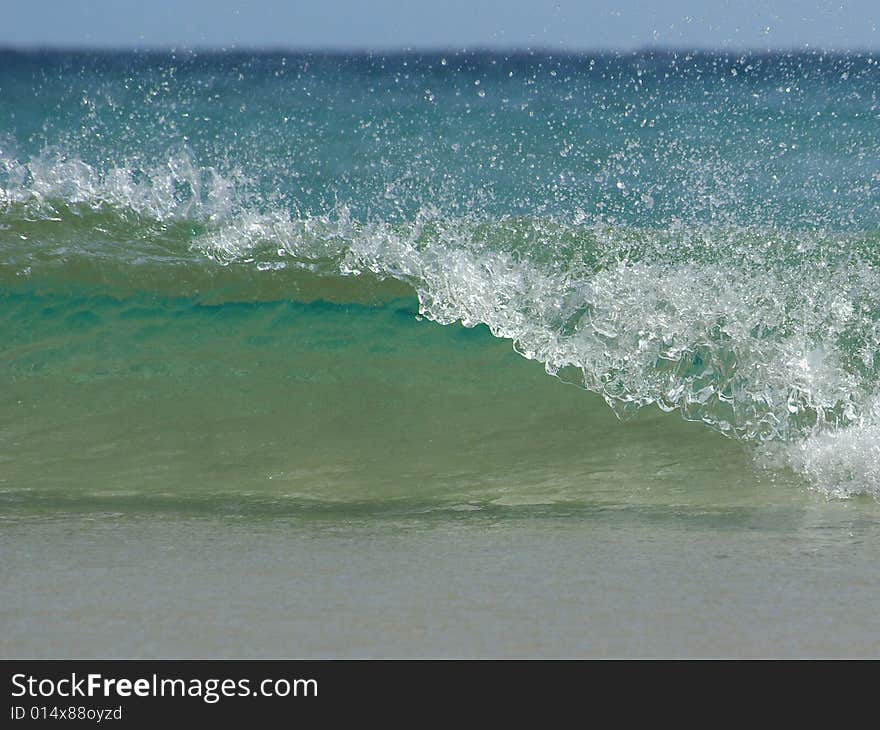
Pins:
x: 770, y: 336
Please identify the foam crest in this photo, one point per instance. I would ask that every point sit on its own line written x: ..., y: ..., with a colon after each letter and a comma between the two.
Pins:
x: 170, y: 190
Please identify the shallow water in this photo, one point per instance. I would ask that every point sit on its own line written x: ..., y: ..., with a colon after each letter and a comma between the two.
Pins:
x: 791, y: 579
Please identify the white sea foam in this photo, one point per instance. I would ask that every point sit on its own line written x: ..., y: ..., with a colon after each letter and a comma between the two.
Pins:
x: 175, y: 188
x: 842, y: 461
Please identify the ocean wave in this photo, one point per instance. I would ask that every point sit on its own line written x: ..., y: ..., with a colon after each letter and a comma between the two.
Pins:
x: 766, y: 335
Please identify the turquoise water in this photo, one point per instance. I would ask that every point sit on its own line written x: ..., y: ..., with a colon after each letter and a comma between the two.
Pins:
x: 508, y: 312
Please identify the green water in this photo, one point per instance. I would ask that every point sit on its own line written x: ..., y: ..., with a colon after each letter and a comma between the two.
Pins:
x: 282, y: 406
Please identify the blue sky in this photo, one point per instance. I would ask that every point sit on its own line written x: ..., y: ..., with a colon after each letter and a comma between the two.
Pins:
x: 388, y: 24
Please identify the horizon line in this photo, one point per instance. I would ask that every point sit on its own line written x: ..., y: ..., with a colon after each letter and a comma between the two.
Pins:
x: 432, y: 49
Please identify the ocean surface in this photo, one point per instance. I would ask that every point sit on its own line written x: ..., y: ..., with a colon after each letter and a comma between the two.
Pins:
x: 448, y: 354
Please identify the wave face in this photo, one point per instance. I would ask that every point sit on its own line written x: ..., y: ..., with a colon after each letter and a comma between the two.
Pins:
x: 694, y: 232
